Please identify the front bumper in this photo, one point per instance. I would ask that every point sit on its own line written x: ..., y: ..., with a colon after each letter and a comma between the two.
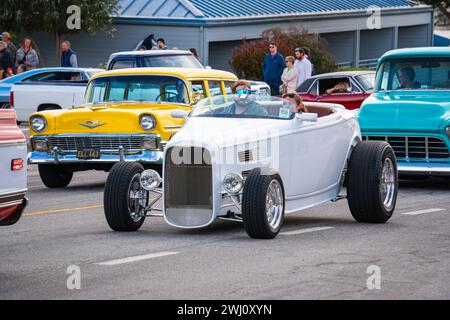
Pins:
x: 154, y: 157
x: 424, y: 169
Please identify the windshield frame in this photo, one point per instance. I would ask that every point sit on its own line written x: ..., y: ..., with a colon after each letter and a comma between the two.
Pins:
x: 199, y: 105
x: 89, y: 91
x: 412, y: 60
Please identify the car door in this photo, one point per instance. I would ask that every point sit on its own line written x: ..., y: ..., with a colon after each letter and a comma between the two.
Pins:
x: 309, y: 90
x: 351, y: 100
x: 317, y: 158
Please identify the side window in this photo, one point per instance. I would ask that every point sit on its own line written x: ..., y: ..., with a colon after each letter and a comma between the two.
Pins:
x: 198, y: 87
x: 314, y: 89
x: 385, y: 76
x: 228, y: 87
x: 303, y: 88
x: 215, y: 88
x: 46, y: 76
x: 122, y: 64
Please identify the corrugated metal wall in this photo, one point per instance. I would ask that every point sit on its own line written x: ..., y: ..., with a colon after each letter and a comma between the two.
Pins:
x: 92, y: 51
x: 220, y: 54
x: 415, y: 36
x: 341, y: 45
x: 374, y: 43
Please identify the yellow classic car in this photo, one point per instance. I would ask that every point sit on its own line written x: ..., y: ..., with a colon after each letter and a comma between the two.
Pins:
x: 128, y: 115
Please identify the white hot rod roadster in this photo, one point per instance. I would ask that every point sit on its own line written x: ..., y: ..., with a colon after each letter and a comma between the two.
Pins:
x: 254, y: 159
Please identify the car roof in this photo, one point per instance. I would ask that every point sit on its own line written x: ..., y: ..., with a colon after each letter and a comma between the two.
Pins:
x: 150, y: 53
x: 417, y: 52
x: 19, y: 77
x: 343, y: 74
x: 180, y: 72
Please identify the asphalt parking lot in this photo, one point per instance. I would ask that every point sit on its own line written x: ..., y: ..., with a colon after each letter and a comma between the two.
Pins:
x: 321, y: 253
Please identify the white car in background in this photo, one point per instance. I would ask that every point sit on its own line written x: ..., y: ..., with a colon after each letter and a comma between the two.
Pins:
x: 56, y: 89
x: 255, y: 166
x: 13, y: 169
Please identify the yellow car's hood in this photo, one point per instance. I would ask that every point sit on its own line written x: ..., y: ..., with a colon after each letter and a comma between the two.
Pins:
x: 113, y: 119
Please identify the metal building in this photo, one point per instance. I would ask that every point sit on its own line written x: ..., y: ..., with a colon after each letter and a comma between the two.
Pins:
x: 355, y: 35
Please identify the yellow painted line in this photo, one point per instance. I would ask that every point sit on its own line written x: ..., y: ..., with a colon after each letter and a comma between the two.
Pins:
x: 61, y: 210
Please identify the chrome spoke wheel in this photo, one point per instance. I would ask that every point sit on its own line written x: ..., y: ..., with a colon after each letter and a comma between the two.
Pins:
x: 388, y: 184
x: 274, y: 205
x: 137, y: 199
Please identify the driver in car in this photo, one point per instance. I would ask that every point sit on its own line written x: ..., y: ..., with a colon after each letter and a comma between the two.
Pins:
x: 341, y: 87
x: 406, y: 77
x: 243, y: 104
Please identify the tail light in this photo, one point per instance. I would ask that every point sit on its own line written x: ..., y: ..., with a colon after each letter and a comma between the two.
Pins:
x: 16, y: 164
x: 11, y: 99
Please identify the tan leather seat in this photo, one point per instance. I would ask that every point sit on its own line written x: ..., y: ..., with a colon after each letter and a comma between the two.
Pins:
x: 321, y: 111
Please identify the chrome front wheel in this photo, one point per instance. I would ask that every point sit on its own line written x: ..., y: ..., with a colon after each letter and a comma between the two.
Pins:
x: 274, y: 205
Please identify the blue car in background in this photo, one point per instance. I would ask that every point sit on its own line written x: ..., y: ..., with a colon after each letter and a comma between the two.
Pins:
x: 410, y: 109
x: 36, y: 75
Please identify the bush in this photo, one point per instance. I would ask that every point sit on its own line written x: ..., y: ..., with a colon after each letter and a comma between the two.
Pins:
x: 247, y: 59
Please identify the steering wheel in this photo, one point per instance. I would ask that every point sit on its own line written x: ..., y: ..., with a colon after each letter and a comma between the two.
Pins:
x: 168, y: 93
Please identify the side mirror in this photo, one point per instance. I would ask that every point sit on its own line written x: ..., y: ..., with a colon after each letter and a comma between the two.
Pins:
x: 196, y: 97
x: 179, y: 114
x: 307, y: 117
x: 208, y: 67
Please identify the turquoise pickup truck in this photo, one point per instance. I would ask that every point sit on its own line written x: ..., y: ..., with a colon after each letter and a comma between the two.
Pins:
x: 410, y: 109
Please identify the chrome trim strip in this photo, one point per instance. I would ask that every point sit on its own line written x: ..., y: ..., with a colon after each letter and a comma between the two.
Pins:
x: 12, y: 203
x: 13, y: 143
x: 14, y: 193
x: 428, y: 168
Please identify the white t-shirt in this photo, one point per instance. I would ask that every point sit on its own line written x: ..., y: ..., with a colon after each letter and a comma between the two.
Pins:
x: 304, y: 70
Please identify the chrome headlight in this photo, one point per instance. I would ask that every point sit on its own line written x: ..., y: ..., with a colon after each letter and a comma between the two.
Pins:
x: 147, y: 122
x: 40, y: 145
x: 150, y: 180
x: 448, y: 131
x: 233, y: 183
x: 38, y: 123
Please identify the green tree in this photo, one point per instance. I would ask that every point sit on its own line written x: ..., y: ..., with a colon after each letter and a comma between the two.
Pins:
x: 442, y: 5
x: 27, y: 17
x: 247, y: 59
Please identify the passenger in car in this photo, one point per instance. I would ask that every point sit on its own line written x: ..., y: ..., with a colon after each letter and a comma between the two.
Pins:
x: 297, y: 100
x: 341, y: 87
x: 406, y: 77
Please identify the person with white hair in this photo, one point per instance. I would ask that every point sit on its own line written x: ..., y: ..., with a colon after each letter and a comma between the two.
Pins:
x: 68, y: 56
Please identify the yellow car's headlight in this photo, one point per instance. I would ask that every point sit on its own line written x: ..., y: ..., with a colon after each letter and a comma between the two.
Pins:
x: 147, y: 122
x: 38, y: 123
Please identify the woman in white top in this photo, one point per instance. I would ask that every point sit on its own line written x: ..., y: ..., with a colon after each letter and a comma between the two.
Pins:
x: 289, y: 77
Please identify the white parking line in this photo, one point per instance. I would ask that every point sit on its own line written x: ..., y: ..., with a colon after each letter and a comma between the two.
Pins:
x: 306, y: 230
x: 136, y: 258
x: 415, y: 213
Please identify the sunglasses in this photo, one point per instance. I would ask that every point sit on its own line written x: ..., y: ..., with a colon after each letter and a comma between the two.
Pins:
x: 243, y: 91
x: 289, y: 95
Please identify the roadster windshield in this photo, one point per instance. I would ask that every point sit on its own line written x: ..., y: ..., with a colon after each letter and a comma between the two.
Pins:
x: 148, y: 88
x: 245, y: 106
x: 414, y: 74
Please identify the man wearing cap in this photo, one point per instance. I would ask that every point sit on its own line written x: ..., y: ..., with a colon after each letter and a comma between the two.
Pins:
x: 302, y: 66
x: 6, y: 61
x: 6, y: 37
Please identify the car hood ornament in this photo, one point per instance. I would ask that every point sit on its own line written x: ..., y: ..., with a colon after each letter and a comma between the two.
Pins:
x: 92, y: 124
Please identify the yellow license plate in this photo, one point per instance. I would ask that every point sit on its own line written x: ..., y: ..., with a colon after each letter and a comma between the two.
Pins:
x: 88, y: 154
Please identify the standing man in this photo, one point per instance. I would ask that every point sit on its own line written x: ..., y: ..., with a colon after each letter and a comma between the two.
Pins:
x: 68, y: 56
x: 160, y: 45
x: 6, y: 37
x: 6, y: 61
x: 272, y: 68
x: 302, y: 65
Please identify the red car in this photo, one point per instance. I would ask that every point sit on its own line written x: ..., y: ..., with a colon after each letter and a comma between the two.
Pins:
x: 13, y: 169
x: 360, y: 85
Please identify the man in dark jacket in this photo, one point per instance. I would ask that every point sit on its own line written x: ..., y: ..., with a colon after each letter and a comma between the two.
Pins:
x: 273, y: 66
x: 6, y: 61
x: 68, y: 56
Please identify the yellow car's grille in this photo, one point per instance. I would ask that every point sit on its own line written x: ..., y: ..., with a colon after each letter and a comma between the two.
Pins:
x: 103, y: 143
